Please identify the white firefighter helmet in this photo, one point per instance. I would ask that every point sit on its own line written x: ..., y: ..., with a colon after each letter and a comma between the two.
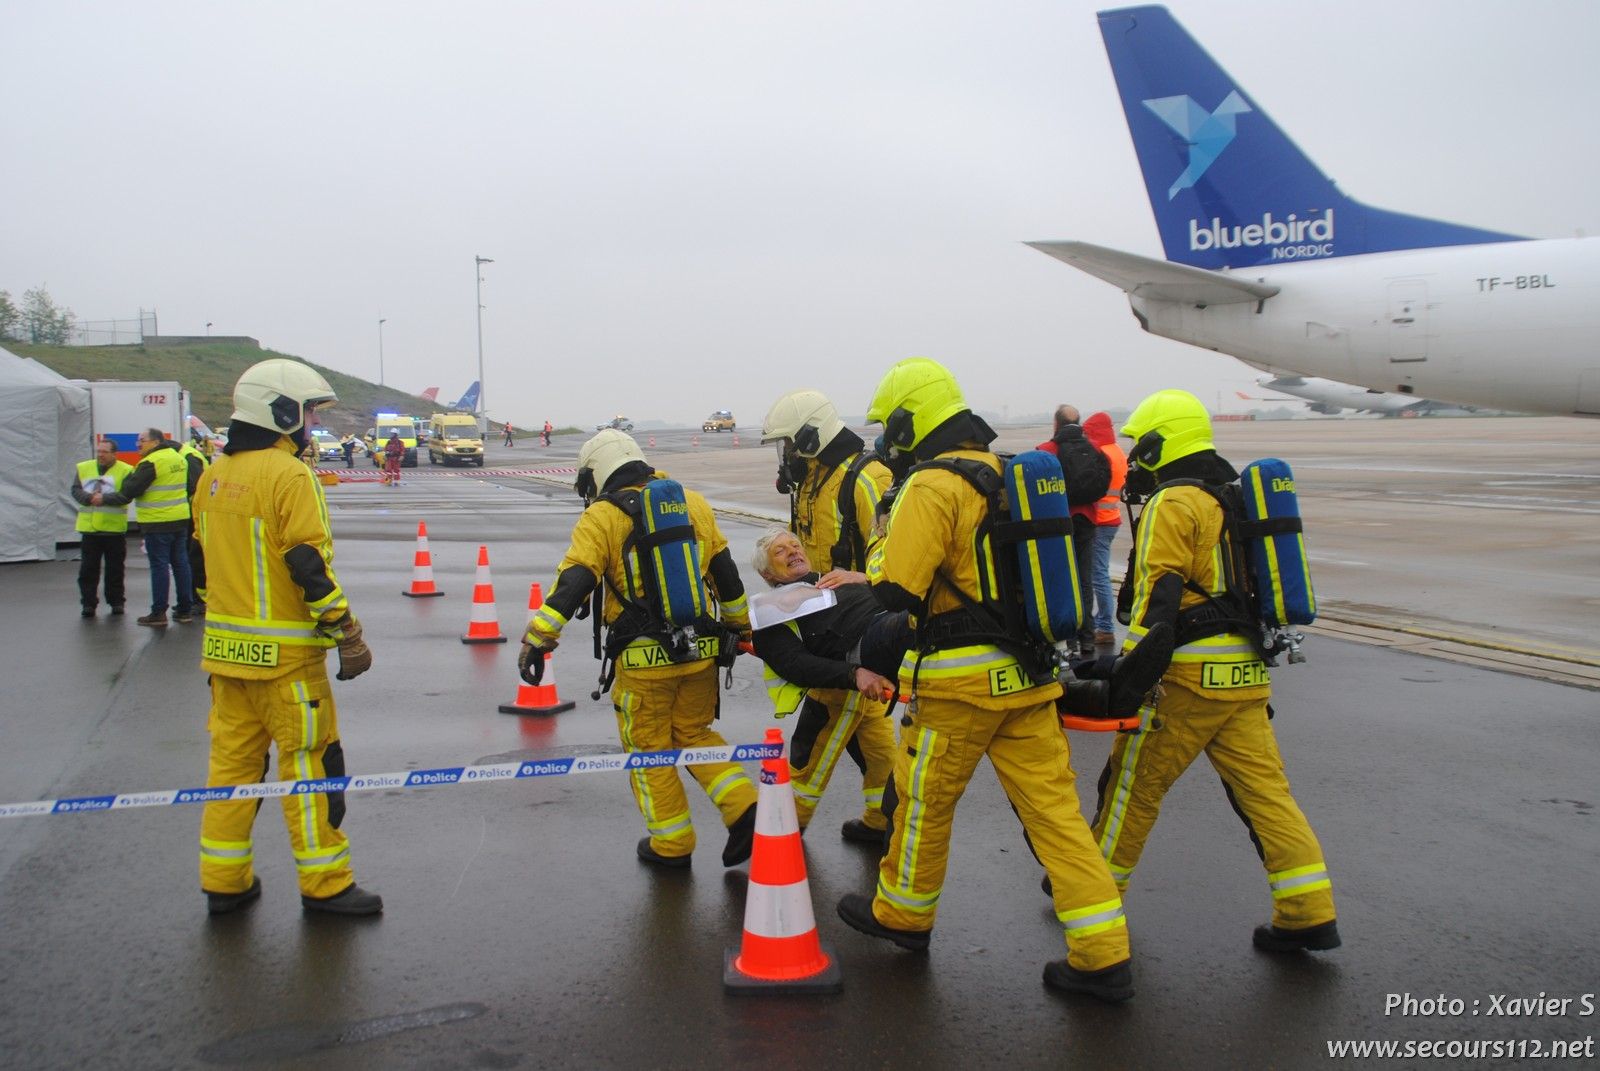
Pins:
x: 277, y: 394
x: 607, y: 452
x: 804, y: 417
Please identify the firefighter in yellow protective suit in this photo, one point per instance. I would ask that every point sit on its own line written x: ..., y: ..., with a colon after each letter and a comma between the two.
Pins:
x: 835, y: 484
x: 968, y: 698
x: 665, y: 689
x: 1216, y: 689
x: 274, y: 608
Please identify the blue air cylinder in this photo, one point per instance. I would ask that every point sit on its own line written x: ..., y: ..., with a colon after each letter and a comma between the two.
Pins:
x: 1036, y: 491
x: 1276, y: 544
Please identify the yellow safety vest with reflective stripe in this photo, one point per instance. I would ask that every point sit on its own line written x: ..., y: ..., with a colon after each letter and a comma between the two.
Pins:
x: 167, y: 497
x: 817, y: 520
x: 786, y: 697
x: 597, y: 541
x: 931, y: 548
x: 103, y: 518
x: 250, y: 510
x: 188, y: 451
x: 1180, y: 531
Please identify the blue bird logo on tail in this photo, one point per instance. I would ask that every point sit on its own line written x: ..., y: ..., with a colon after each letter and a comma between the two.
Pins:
x: 1207, y: 133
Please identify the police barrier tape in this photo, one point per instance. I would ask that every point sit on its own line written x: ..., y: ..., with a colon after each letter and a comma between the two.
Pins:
x: 445, y: 775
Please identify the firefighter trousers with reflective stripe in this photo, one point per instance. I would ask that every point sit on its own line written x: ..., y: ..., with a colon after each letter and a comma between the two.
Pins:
x: 937, y: 756
x: 1238, y: 739
x: 656, y: 711
x: 822, y: 733
x: 295, y: 713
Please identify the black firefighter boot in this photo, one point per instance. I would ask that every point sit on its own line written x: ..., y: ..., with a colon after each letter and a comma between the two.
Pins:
x: 1132, y: 677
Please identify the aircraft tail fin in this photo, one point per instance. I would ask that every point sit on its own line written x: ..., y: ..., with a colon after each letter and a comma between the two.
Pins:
x: 430, y: 395
x: 1228, y: 188
x: 468, y: 402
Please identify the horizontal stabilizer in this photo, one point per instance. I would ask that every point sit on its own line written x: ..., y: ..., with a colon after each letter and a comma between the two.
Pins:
x: 1158, y: 280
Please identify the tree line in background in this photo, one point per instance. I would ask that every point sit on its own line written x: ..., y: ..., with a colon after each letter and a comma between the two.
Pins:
x: 37, y: 319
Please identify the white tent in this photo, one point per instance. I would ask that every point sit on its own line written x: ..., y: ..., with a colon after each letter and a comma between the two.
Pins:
x: 44, y: 433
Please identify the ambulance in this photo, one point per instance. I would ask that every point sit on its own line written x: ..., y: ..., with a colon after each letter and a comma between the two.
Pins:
x: 384, y: 427
x: 454, y: 439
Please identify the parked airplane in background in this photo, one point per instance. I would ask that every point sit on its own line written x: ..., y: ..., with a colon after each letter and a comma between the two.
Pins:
x: 430, y: 395
x: 1269, y: 262
x: 1326, y: 396
x: 467, y: 403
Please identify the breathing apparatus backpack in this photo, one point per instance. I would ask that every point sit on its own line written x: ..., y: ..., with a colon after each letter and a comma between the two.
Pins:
x: 1266, y: 571
x: 666, y: 599
x: 1028, y: 526
x: 850, y: 551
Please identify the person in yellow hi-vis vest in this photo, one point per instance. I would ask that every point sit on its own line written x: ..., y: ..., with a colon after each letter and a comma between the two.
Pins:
x: 665, y: 691
x: 968, y: 698
x: 159, y: 487
x: 102, y: 529
x: 1217, y: 686
x: 274, y: 608
x: 835, y: 484
x: 197, y: 462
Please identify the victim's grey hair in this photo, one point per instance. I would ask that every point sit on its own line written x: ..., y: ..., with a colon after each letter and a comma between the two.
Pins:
x: 758, y: 559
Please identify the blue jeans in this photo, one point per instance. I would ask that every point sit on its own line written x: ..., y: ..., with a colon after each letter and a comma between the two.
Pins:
x: 169, y: 553
x: 1105, y: 604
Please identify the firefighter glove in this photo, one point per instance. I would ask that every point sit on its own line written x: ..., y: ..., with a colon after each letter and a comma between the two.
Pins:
x: 530, y: 662
x: 355, y: 657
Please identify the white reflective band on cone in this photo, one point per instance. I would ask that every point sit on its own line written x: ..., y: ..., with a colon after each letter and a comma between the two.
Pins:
x: 422, y: 564
x: 779, y: 910
x: 775, y: 815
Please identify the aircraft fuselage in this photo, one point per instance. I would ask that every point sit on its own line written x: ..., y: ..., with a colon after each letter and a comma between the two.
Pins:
x: 1455, y: 324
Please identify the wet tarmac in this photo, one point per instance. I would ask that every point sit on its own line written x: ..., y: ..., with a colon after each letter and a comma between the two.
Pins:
x: 1455, y: 804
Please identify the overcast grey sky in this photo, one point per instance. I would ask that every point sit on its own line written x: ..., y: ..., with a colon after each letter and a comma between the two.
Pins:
x: 695, y: 206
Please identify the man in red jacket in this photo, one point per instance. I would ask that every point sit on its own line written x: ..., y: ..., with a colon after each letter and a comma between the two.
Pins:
x: 1107, y: 517
x: 394, y: 453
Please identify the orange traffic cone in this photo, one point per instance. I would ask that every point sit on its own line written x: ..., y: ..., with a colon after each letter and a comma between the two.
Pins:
x: 652, y: 442
x: 781, y: 952
x: 736, y: 438
x: 694, y: 440
x: 484, y: 626
x: 540, y: 698
x: 422, y: 568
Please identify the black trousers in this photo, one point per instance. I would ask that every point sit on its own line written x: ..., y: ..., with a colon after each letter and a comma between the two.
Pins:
x: 110, y: 548
x: 197, y: 561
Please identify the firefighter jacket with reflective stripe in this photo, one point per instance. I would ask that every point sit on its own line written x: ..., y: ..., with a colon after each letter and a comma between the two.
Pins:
x: 252, y: 509
x: 597, y: 550
x: 933, y: 546
x: 104, y: 518
x: 1180, y: 535
x: 1108, y: 511
x: 817, y: 521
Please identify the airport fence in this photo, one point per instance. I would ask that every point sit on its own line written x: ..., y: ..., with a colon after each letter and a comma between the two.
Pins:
x: 95, y: 332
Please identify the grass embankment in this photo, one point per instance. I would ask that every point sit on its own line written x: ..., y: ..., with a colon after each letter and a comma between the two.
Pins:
x: 208, y: 372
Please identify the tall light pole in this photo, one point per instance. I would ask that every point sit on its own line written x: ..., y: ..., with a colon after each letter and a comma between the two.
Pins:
x: 381, y: 322
x: 483, y: 409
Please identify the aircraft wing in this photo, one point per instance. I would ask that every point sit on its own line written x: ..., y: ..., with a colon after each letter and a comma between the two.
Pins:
x: 1160, y: 280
